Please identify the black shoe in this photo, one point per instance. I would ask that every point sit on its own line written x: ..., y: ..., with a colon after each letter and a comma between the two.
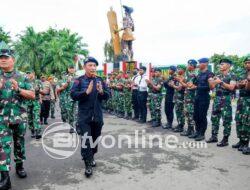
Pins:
x: 200, y: 138
x: 223, y: 142
x: 52, y: 117
x: 33, y: 135
x: 142, y: 121
x: 38, y: 134
x: 213, y: 139
x: 5, y: 183
x: 193, y: 136
x: 246, y: 151
x: 20, y: 170
x: 237, y: 145
x: 88, y: 169
x: 71, y: 130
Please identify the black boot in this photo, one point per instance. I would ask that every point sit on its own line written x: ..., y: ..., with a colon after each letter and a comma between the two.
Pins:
x: 244, y: 145
x: 33, y: 135
x: 88, y: 168
x: 223, y: 142
x: 38, y: 134
x: 246, y: 151
x: 194, y: 135
x: 213, y: 139
x: 52, y: 117
x: 155, y: 124
x: 237, y: 145
x: 71, y: 130
x: 167, y: 126
x: 20, y: 170
x: 200, y: 138
x: 188, y: 132
x: 5, y: 183
x: 178, y: 129
x: 45, y: 121
x: 191, y: 134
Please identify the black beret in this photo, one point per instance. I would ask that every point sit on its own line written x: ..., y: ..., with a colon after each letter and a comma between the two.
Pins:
x: 90, y: 59
x: 226, y: 61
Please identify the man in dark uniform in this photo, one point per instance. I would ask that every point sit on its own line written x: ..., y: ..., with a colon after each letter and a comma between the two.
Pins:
x: 89, y: 90
x: 135, y: 94
x: 169, y: 104
x: 202, y: 99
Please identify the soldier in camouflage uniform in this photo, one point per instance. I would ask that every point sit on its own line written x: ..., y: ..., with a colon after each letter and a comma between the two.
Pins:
x: 62, y: 98
x: 189, y: 95
x: 179, y: 98
x: 33, y: 107
x: 120, y: 98
x: 150, y: 97
x: 14, y: 89
x: 53, y: 101
x: 127, y: 97
x: 224, y: 85
x: 155, y: 89
x: 70, y: 104
x: 242, y: 116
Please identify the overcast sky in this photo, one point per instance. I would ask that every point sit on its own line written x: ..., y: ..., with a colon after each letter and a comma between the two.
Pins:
x: 167, y: 31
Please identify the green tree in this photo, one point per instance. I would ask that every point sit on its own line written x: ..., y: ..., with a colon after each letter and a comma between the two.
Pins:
x: 4, y: 36
x: 48, y: 52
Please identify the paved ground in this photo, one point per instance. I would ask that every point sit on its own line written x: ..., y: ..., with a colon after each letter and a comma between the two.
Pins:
x: 149, y: 168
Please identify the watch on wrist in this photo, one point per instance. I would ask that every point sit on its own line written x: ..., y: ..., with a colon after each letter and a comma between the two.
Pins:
x: 18, y: 90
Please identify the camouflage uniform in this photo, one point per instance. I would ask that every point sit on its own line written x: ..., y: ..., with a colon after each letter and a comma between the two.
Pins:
x: 242, y: 116
x: 179, y: 107
x: 53, y: 101
x: 121, y: 99
x: 13, y: 119
x: 62, y: 101
x: 189, y: 102
x: 155, y: 100
x: 34, y: 107
x: 128, y: 99
x: 70, y: 105
x: 222, y: 107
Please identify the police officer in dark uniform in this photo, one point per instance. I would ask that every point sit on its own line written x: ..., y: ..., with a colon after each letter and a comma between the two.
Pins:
x: 169, y: 104
x: 89, y: 90
x: 202, y: 99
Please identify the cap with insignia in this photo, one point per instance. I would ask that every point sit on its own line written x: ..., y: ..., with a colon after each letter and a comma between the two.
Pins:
x: 90, y: 59
x: 192, y: 62
x: 173, y: 68
x: 5, y: 50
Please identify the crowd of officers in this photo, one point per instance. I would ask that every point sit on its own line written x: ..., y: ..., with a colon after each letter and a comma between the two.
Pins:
x: 188, y: 91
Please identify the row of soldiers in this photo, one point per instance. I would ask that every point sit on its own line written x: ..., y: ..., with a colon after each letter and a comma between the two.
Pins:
x: 27, y: 102
x: 188, y: 91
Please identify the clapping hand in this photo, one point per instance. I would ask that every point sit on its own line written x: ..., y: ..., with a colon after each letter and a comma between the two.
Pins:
x: 90, y: 87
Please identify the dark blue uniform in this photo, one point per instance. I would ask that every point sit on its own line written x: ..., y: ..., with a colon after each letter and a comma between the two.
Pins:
x: 90, y: 117
x: 202, y: 100
x: 169, y: 104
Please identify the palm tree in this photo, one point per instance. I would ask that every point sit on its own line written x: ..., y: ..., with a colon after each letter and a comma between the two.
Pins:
x: 4, y: 36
